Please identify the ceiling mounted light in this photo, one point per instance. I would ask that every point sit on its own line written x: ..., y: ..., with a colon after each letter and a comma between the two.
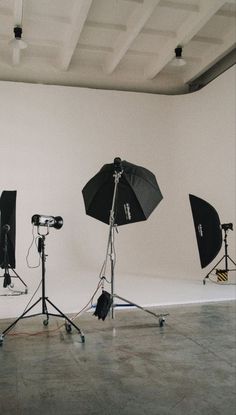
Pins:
x: 17, y: 42
x: 178, y: 60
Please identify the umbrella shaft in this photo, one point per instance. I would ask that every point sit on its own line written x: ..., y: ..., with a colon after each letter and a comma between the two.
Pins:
x: 117, y: 177
x: 110, y: 243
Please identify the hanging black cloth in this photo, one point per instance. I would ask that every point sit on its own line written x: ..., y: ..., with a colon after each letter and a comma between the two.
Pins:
x: 103, y: 305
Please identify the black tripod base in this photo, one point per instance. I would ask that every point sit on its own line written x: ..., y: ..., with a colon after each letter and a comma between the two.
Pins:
x: 161, y: 317
x: 226, y: 269
x: 68, y: 323
x: 8, y: 281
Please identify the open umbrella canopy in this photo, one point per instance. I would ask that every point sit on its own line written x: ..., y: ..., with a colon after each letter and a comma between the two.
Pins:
x: 137, y: 193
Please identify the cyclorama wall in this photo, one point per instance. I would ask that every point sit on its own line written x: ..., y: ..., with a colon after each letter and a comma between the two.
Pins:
x: 54, y: 139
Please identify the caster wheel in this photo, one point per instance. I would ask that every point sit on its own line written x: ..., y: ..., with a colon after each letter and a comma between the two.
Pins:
x: 161, y: 321
x: 68, y: 327
x: 204, y: 282
x: 45, y: 322
x: 82, y: 338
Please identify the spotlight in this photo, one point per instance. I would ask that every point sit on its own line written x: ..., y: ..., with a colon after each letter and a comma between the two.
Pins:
x: 17, y: 41
x: 227, y: 226
x: 178, y: 60
x: 49, y: 221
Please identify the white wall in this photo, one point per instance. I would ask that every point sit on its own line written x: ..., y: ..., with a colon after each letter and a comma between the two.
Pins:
x: 54, y: 139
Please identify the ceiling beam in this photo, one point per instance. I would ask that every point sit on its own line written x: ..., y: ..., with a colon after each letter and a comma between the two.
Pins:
x: 136, y: 21
x: 94, y: 48
x: 48, y: 18
x: 212, y: 57
x: 122, y: 28
x: 158, y: 32
x: 179, y: 5
x: 208, y: 39
x: 185, y: 33
x: 134, y: 1
x: 105, y: 26
x: 215, y: 70
x: 80, y: 13
x: 226, y: 13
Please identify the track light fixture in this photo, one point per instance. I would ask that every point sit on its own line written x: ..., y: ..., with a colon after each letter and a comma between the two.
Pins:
x: 17, y: 41
x: 178, y: 60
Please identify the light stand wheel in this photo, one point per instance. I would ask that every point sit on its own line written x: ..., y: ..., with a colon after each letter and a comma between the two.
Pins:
x: 161, y: 321
x: 82, y: 338
x: 45, y: 322
x: 68, y: 327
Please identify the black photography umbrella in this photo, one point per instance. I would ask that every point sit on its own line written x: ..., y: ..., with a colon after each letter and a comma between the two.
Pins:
x: 120, y: 193
x: 137, y: 194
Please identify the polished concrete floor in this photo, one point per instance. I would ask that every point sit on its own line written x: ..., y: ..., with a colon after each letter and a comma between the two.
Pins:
x: 128, y: 366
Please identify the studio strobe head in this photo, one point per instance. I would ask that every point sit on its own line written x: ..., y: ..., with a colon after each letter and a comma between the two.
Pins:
x: 49, y: 221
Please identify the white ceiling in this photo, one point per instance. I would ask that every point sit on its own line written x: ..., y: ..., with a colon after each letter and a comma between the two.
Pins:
x: 115, y: 44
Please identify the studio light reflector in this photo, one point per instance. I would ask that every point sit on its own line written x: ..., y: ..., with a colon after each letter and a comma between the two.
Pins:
x: 207, y: 228
x: 49, y: 221
x: 138, y: 194
x: 7, y: 228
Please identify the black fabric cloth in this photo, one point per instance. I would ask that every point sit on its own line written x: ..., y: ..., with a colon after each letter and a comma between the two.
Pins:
x: 103, y: 305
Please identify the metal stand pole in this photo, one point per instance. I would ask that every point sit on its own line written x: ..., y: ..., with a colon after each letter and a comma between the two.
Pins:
x: 111, y: 253
x: 44, y: 300
x: 112, y: 259
x: 110, y: 245
x: 226, y: 257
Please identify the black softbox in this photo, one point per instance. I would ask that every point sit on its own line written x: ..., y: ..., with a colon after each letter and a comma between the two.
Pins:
x: 207, y: 228
x: 8, y: 228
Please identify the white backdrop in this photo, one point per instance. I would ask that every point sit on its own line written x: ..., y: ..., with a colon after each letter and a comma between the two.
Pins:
x: 54, y: 139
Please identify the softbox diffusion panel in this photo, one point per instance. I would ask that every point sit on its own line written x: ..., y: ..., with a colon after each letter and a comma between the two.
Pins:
x: 8, y: 217
x: 207, y: 228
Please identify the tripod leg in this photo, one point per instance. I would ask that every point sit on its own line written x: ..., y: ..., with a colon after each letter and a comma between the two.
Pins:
x: 69, y: 322
x: 16, y: 321
x: 159, y: 316
x: 45, y: 311
x: 207, y: 276
x: 231, y: 260
x: 223, y: 257
x: 26, y: 288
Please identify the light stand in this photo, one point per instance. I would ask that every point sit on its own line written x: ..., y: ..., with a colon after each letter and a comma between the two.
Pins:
x: 111, y: 254
x: 44, y: 300
x: 225, y: 257
x: 6, y: 266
